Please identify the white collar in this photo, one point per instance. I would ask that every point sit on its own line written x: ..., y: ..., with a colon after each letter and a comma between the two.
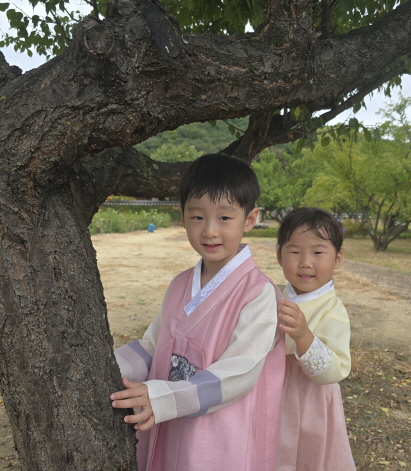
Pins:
x: 310, y: 295
x: 199, y: 294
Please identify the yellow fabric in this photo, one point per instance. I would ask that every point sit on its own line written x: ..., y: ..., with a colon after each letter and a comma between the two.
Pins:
x: 328, y: 319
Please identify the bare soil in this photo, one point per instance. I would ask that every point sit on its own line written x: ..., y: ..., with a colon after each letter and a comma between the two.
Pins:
x: 137, y: 267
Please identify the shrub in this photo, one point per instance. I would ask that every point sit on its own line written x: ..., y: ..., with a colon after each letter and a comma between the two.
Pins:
x: 270, y: 232
x: 109, y: 220
x: 352, y: 229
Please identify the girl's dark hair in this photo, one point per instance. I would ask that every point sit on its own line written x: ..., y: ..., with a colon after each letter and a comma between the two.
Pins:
x: 220, y: 176
x: 323, y: 224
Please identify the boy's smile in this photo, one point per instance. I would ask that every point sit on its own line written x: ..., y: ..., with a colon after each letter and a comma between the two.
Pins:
x: 215, y: 230
x: 308, y: 261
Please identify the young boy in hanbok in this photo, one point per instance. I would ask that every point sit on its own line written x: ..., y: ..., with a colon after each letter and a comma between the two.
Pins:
x: 313, y: 434
x: 208, y: 373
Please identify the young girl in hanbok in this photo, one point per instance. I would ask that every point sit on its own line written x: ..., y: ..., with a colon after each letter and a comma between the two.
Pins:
x: 209, y: 371
x: 313, y: 435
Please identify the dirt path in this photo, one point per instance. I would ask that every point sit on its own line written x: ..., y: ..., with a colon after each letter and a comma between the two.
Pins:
x: 137, y: 267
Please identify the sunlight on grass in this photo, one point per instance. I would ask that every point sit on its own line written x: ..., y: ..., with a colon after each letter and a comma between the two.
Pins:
x: 397, y: 256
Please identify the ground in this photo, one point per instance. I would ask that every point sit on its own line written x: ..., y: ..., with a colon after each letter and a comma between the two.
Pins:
x: 137, y: 267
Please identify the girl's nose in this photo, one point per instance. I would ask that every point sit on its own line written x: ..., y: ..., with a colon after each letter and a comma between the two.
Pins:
x: 305, y: 262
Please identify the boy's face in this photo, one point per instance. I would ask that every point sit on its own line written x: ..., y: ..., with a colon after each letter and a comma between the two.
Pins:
x: 308, y: 261
x: 214, y: 230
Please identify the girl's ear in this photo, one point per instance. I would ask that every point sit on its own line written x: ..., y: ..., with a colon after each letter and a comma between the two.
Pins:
x: 279, y: 257
x: 251, y: 219
x: 338, y: 259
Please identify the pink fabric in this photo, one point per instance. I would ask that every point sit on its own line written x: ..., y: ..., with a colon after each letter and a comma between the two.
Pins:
x: 241, y: 436
x: 313, y: 433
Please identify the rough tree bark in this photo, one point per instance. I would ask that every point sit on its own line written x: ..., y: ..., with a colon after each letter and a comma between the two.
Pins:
x: 64, y: 132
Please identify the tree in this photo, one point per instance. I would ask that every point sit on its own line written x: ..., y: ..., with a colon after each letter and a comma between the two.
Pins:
x: 284, y: 178
x: 371, y: 180
x: 128, y: 72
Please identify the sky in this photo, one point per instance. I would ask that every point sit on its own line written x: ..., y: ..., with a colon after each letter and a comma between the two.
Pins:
x: 368, y: 116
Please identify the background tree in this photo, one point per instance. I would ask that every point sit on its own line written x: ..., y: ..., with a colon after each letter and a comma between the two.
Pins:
x: 130, y: 71
x: 371, y: 181
x: 284, y: 176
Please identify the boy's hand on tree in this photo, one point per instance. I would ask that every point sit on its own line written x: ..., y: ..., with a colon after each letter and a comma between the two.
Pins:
x: 135, y: 395
x: 296, y: 325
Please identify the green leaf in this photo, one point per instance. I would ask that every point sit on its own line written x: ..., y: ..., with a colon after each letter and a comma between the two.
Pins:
x: 231, y: 128
x: 297, y: 112
x: 4, y: 6
x: 213, y: 123
x: 300, y: 145
x: 325, y: 140
x: 237, y: 135
x: 353, y: 123
x: 367, y: 135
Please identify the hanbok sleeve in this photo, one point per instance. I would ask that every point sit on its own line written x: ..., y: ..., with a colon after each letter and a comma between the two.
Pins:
x: 235, y: 372
x: 134, y: 359
x: 328, y: 359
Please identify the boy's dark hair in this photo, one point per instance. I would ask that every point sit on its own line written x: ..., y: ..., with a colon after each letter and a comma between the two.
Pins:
x: 323, y: 224
x: 220, y: 176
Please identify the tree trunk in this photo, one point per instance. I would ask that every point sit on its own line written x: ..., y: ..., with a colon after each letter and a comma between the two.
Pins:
x: 123, y: 80
x: 56, y: 361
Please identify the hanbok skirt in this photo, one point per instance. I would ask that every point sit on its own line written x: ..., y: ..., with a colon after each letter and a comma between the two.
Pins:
x: 313, y: 433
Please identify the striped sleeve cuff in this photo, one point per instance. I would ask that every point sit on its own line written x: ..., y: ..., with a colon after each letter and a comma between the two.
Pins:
x: 134, y: 362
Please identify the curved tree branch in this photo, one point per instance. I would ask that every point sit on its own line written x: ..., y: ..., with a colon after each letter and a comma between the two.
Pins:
x: 7, y: 72
x: 135, y: 75
x: 123, y: 172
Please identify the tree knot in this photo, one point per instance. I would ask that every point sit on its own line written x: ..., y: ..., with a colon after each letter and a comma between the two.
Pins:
x: 99, y: 41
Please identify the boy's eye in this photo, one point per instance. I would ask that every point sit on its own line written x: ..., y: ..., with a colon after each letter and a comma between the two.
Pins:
x: 225, y: 218
x: 318, y: 253
x: 196, y: 218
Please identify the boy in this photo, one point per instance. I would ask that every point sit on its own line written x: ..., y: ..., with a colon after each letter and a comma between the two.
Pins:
x: 214, y: 357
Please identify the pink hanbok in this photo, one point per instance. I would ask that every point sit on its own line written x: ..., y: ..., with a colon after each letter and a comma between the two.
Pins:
x: 216, y: 377
x: 313, y: 433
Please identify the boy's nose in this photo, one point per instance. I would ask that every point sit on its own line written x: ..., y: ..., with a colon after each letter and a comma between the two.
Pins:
x: 210, y: 230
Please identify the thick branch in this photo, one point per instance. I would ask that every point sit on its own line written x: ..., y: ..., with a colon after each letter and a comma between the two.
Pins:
x: 123, y: 172
x: 125, y: 80
x: 7, y: 72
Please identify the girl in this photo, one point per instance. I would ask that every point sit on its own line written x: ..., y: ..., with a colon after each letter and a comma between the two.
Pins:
x: 313, y: 435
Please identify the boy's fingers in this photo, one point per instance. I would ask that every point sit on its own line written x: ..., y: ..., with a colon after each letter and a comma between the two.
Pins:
x: 129, y: 384
x: 127, y: 393
x: 140, y: 417
x: 150, y: 422
x: 129, y: 403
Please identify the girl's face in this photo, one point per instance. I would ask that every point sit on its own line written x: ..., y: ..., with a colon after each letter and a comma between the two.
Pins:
x: 308, y: 261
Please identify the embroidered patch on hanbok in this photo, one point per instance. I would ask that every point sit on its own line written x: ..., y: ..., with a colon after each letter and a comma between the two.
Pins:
x: 180, y: 369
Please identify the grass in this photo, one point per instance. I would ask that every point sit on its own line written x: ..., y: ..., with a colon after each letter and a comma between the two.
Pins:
x: 397, y: 256
x: 377, y: 406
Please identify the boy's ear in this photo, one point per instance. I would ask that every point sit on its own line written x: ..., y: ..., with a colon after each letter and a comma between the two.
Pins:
x: 338, y: 259
x: 251, y: 219
x: 279, y: 257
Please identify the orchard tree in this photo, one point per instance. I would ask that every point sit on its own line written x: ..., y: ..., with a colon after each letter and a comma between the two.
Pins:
x: 130, y: 70
x: 370, y: 179
x: 284, y: 176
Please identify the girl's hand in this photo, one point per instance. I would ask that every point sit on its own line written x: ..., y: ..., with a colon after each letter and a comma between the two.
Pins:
x: 296, y: 325
x: 135, y: 395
